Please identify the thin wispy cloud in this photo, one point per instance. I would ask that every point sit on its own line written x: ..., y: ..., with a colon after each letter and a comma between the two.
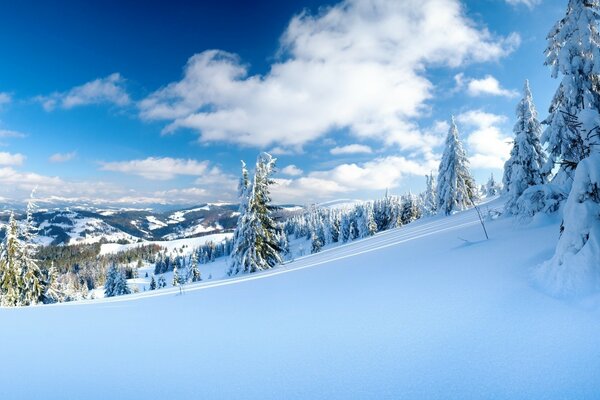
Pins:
x: 5, y: 98
x: 62, y: 157
x: 157, y: 168
x: 108, y: 90
x: 351, y: 149
x: 529, y: 3
x: 7, y: 133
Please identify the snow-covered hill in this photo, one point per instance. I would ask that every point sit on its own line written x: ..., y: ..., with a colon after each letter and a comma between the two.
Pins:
x: 76, y: 225
x: 431, y: 310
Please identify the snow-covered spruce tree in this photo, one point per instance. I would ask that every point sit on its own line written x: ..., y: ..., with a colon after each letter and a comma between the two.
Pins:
x: 573, y: 48
x: 21, y: 280
x: 492, y: 188
x: 365, y: 224
x: 527, y: 158
x: 456, y: 188
x: 115, y: 284
x: 410, y: 209
x: 194, y: 272
x: 575, y: 269
x: 152, y: 283
x: 176, y: 280
x: 256, y: 245
x: 430, y: 197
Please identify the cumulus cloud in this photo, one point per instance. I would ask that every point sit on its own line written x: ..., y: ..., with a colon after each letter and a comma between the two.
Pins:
x: 376, y: 174
x: 11, y: 158
x: 528, y: 3
x: 291, y: 170
x: 108, y: 90
x: 62, y: 157
x: 351, y: 149
x: 358, y: 65
x: 158, y: 168
x: 489, y: 146
x: 487, y: 85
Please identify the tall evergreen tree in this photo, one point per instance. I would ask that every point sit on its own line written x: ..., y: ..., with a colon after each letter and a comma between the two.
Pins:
x: 115, y: 284
x: 456, y: 187
x: 194, y: 272
x: 430, y: 198
x: 176, y: 281
x: 573, y: 45
x: 256, y: 245
x: 21, y: 280
x: 527, y: 158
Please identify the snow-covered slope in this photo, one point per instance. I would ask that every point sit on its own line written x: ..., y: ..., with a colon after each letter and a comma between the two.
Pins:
x: 427, y: 311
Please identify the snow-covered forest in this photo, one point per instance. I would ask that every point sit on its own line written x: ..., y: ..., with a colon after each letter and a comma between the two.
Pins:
x: 467, y: 288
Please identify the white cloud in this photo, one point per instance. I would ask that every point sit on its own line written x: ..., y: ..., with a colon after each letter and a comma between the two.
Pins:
x: 5, y: 98
x: 484, y: 86
x: 5, y: 133
x: 292, y: 170
x: 157, y: 168
x: 358, y: 65
x: 528, y: 3
x: 489, y: 146
x: 108, y: 90
x: 11, y: 159
x: 10, y: 178
x: 378, y: 174
x: 351, y: 149
x: 62, y: 157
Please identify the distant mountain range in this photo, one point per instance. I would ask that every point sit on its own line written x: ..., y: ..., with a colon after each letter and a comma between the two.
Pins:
x: 73, y: 225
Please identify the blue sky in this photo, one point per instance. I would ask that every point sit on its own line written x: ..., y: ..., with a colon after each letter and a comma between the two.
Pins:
x: 156, y: 102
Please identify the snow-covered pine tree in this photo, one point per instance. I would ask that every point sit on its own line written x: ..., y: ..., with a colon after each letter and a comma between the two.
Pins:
x: 21, y: 280
x: 365, y: 224
x: 456, y: 188
x: 430, y: 198
x: 410, y: 209
x: 176, y: 280
x: 492, y: 188
x: 573, y: 46
x: 194, y: 272
x: 54, y: 292
x: 256, y: 245
x: 152, y: 283
x: 527, y: 158
x: 115, y: 284
x: 574, y: 268
x: 162, y: 282
x: 316, y: 243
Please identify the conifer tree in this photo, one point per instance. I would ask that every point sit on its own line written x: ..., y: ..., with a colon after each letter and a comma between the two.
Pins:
x: 115, y: 284
x: 527, y: 158
x: 152, y: 283
x: 573, y: 46
x: 456, y: 187
x: 430, y: 198
x: 21, y: 280
x: 256, y: 245
x: 176, y: 280
x: 194, y: 272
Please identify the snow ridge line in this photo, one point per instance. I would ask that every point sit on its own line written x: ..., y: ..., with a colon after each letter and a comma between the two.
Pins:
x: 359, y: 247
